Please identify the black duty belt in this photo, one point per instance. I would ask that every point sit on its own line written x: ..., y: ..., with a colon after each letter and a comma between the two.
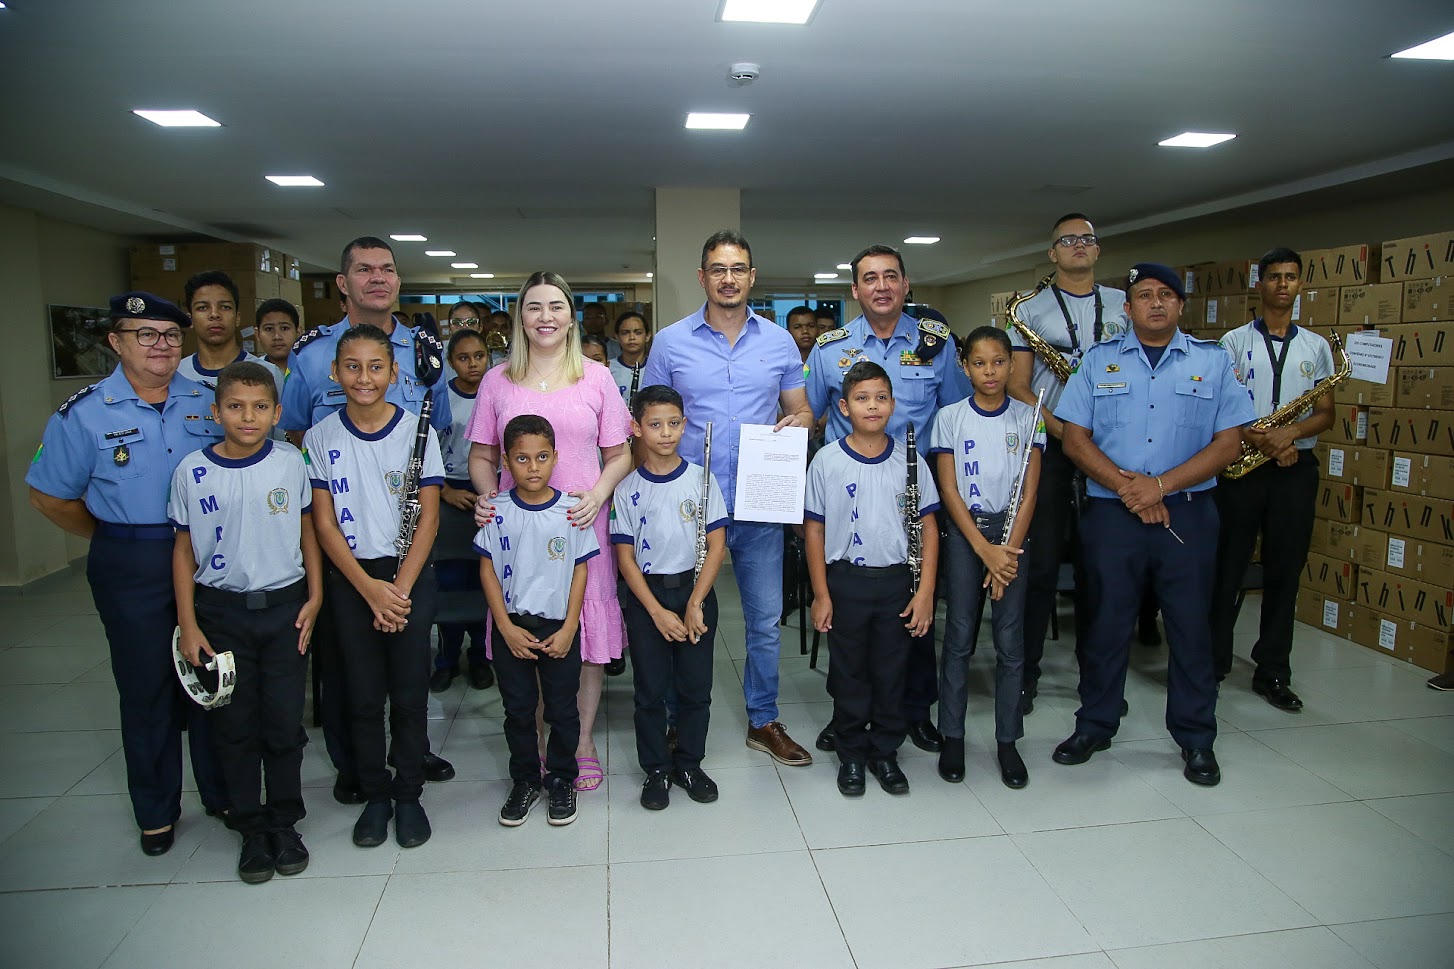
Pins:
x: 253, y: 600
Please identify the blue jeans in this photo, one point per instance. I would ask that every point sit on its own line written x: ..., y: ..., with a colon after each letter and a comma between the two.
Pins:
x: 757, y: 563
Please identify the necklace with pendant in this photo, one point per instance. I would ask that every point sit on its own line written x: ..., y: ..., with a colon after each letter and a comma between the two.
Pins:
x: 545, y: 381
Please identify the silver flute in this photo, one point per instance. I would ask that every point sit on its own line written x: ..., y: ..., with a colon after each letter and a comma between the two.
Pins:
x: 702, y: 503
x: 913, y: 524
x: 1017, y: 490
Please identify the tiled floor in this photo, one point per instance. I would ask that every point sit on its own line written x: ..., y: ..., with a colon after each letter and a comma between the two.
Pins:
x: 1329, y: 843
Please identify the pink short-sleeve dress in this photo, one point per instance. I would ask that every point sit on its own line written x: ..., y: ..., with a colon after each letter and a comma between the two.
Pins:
x: 587, y: 416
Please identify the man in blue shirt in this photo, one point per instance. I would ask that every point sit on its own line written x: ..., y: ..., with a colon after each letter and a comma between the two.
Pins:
x: 103, y: 472
x: 732, y: 367
x: 1151, y: 417
x: 923, y: 366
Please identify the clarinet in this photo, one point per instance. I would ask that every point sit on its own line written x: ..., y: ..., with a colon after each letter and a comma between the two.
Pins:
x: 635, y: 384
x: 702, y: 503
x: 428, y: 366
x: 912, y: 522
x: 1017, y: 490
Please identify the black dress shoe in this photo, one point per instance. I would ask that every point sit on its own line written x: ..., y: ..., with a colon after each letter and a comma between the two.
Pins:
x: 850, y: 779
x: 1277, y: 693
x: 256, y: 862
x: 436, y: 768
x: 440, y: 680
x: 1012, y: 767
x: 482, y: 676
x: 926, y: 736
x: 827, y: 739
x: 951, y: 760
x: 656, y: 790
x: 1027, y: 703
x: 696, y: 783
x: 1077, y: 748
x: 289, y: 855
x: 1201, y: 766
x: 372, y: 827
x: 346, y: 791
x: 411, y: 824
x: 890, y: 777
x: 159, y: 843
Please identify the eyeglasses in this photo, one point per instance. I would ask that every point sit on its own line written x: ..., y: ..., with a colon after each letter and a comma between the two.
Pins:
x: 467, y: 320
x: 722, y: 272
x: 148, y: 337
x: 1070, y: 242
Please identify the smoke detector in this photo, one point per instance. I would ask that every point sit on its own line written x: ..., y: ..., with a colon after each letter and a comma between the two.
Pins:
x: 743, y: 73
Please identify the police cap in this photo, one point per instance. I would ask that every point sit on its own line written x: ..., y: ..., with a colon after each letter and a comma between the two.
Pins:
x: 1155, y: 270
x: 147, y: 306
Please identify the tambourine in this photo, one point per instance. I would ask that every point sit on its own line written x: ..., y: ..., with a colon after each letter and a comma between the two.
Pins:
x: 221, y: 664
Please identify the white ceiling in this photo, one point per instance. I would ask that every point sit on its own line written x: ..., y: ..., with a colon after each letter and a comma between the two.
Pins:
x: 530, y: 135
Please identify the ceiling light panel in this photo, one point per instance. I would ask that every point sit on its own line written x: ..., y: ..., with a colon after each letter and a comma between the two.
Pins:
x: 464, y: 265
x: 1196, y: 139
x: 707, y: 121
x: 177, y: 119
x: 440, y: 252
x: 768, y: 11
x: 409, y: 238
x: 295, y: 181
x: 1438, y: 49
x: 822, y: 276
x: 921, y: 240
x: 482, y: 275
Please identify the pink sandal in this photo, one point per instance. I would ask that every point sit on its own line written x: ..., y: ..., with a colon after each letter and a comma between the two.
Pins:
x: 588, y: 774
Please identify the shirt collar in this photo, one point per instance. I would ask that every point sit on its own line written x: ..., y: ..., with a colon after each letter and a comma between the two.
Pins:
x: 907, y: 327
x: 116, y: 387
x: 882, y: 457
x: 1261, y: 327
x: 1130, y: 341
x: 699, y: 319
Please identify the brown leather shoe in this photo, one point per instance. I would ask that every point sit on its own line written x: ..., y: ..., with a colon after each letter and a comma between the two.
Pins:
x: 773, y: 738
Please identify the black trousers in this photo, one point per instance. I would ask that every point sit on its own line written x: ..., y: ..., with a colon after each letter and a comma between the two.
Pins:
x: 868, y: 650
x: 333, y: 694
x: 379, y: 666
x: 259, y: 734
x: 1121, y: 554
x: 660, y: 667
x: 524, y: 684
x: 131, y: 583
x: 1051, y: 530
x: 1279, y: 504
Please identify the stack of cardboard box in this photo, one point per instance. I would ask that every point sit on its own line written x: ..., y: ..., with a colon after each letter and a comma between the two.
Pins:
x: 260, y: 273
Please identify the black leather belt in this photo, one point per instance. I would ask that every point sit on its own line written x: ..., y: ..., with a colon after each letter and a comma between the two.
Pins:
x: 674, y: 581
x: 149, y: 533
x: 883, y: 570
x: 253, y: 600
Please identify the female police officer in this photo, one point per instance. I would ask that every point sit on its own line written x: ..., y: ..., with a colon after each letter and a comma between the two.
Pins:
x: 102, y: 472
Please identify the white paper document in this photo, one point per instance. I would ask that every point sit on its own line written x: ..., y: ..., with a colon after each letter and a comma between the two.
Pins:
x: 1370, y: 355
x: 772, y: 474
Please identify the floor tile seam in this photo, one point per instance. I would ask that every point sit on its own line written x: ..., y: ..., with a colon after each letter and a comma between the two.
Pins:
x: 1250, y: 867
x: 1448, y: 851
x: 1111, y: 953
x: 364, y: 938
x: 1335, y: 926
x: 832, y: 907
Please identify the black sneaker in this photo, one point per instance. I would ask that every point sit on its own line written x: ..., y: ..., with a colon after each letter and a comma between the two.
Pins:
x: 289, y: 855
x: 346, y: 791
x: 440, y: 679
x: 411, y: 824
x: 517, y: 806
x: 482, y: 675
x: 562, y: 801
x: 372, y: 827
x: 255, y: 863
x: 436, y: 768
x: 656, y: 790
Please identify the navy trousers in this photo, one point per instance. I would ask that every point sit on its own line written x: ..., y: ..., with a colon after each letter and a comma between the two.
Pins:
x: 1121, y: 554
x: 131, y: 583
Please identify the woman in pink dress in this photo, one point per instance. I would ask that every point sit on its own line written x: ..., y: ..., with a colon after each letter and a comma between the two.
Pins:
x: 547, y: 375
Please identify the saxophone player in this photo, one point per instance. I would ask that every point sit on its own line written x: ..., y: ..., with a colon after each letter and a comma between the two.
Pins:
x: 1072, y: 315
x: 1151, y: 418
x: 1277, y: 361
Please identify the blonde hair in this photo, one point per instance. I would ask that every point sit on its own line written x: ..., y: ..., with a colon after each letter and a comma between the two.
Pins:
x: 518, y: 365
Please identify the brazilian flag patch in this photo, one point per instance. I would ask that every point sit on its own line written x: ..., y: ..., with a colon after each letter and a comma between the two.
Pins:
x: 36, y: 459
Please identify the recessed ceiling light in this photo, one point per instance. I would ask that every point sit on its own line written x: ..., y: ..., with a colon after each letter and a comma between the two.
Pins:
x: 482, y: 275
x: 921, y: 240
x: 1438, y: 49
x: 409, y: 238
x: 825, y: 275
x: 768, y: 11
x: 294, y: 181
x: 465, y: 265
x: 845, y: 265
x: 439, y: 252
x: 177, y: 119
x: 704, y: 120
x: 650, y: 275
x: 1196, y: 139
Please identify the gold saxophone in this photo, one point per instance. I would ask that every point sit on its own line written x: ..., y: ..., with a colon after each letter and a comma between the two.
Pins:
x: 1288, y: 413
x: 1050, y: 356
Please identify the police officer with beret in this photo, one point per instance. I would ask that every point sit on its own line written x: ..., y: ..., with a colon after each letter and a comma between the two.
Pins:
x: 102, y: 472
x: 1151, y: 418
x: 923, y: 367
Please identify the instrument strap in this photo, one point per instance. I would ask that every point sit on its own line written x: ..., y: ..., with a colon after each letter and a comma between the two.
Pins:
x: 1277, y: 359
x: 1070, y: 323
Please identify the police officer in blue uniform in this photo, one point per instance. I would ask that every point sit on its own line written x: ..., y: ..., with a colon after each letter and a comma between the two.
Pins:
x: 923, y: 366
x: 368, y: 284
x: 102, y: 472
x: 1151, y: 417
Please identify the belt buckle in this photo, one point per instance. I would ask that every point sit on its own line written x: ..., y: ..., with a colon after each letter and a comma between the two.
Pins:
x: 257, y: 600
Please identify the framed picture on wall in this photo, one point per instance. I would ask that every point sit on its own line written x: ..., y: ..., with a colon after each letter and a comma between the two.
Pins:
x: 78, y: 346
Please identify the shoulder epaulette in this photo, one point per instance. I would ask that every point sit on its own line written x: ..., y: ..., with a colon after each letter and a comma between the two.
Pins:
x: 833, y: 336
x: 308, y: 337
x: 75, y: 397
x: 1204, y: 340
x: 933, y: 337
x: 934, y: 328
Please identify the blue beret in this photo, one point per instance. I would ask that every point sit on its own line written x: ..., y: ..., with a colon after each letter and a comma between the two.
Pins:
x: 1158, y: 272
x: 147, y: 306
